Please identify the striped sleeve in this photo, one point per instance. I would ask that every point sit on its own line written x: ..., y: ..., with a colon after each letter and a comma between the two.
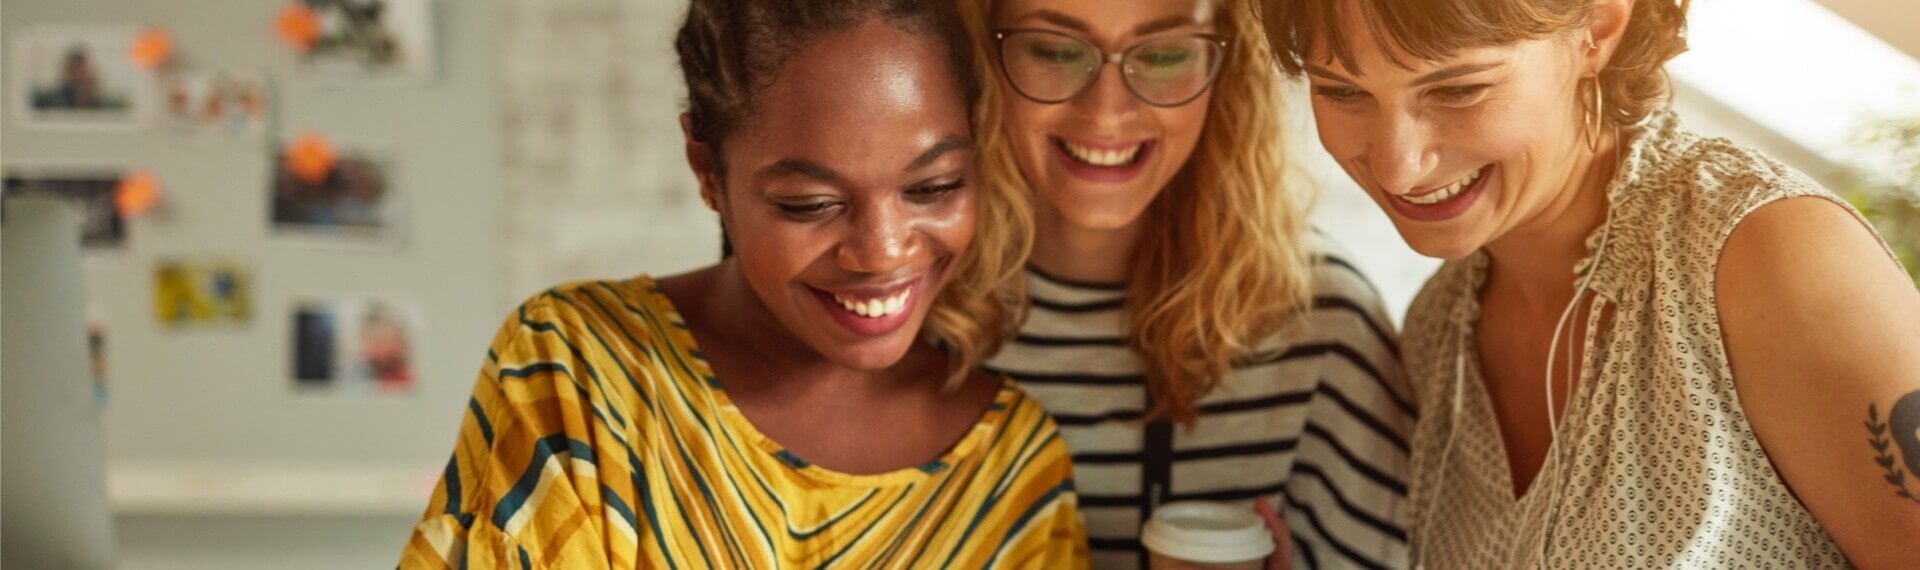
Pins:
x: 1346, y: 495
x: 515, y: 491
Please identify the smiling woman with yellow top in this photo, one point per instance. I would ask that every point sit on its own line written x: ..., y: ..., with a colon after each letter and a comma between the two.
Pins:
x: 811, y: 400
x: 1648, y: 348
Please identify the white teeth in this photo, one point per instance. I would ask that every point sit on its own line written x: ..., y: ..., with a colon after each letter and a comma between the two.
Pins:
x: 1099, y: 157
x: 875, y: 308
x: 1444, y: 194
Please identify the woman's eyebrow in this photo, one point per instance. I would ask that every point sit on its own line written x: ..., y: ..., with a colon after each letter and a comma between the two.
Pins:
x: 1148, y: 27
x: 1454, y: 71
x: 1433, y: 77
x: 1157, y: 25
x: 1324, y: 73
x: 949, y: 144
x: 800, y: 167
x: 810, y: 169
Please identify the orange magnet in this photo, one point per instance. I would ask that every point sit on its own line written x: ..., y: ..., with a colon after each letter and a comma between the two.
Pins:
x: 310, y: 157
x: 152, y: 48
x: 138, y: 193
x: 298, y: 26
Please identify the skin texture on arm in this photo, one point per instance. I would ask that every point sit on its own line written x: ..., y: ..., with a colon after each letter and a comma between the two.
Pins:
x: 1823, y: 333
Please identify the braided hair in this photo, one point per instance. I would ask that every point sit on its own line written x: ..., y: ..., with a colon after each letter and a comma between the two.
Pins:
x: 731, y: 49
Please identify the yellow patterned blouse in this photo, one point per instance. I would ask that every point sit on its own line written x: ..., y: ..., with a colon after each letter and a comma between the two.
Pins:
x: 597, y: 437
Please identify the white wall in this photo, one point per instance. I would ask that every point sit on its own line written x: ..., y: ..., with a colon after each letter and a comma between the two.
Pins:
x: 1894, y: 21
x: 217, y: 403
x: 595, y: 175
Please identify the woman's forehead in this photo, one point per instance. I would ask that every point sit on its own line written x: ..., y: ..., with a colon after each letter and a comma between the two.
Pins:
x: 1369, y: 36
x: 1099, y: 18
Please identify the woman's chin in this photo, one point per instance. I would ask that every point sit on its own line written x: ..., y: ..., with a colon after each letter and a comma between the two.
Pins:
x: 1111, y: 216
x: 1443, y: 245
x: 871, y: 356
x: 867, y: 353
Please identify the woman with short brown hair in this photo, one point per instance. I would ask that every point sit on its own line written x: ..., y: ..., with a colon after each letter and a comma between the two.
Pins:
x: 1615, y: 367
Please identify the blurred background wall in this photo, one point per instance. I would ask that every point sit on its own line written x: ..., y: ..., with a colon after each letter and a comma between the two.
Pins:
x: 217, y: 457
x: 541, y: 145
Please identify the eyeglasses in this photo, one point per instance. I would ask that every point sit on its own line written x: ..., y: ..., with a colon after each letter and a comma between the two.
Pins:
x: 1052, y: 67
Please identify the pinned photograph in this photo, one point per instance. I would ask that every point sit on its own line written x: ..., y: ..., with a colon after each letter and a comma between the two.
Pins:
x: 332, y: 193
x: 384, y: 342
x: 229, y: 102
x: 315, y: 332
x: 91, y: 189
x: 97, y: 354
x: 366, y: 39
x: 201, y: 293
x: 356, y: 346
x: 78, y: 78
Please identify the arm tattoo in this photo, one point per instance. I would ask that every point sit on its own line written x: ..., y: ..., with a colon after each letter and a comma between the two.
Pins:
x: 1902, y: 429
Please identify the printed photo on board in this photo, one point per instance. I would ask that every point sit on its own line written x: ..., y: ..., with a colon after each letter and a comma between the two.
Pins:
x: 78, y: 78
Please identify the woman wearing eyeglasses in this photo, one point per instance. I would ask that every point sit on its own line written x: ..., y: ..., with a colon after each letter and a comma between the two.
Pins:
x: 1648, y: 348
x: 1190, y: 334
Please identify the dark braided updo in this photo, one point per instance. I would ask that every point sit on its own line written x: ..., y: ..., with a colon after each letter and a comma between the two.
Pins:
x: 731, y: 49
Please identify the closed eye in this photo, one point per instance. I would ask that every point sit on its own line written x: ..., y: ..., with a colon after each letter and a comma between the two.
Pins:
x: 1459, y: 94
x: 1056, y: 54
x: 807, y: 210
x: 1338, y: 94
x: 1165, y: 58
x: 931, y: 193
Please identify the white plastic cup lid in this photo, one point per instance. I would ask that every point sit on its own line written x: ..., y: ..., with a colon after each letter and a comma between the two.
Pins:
x: 1206, y: 531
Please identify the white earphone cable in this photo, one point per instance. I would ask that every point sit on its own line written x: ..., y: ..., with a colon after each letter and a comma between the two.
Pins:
x: 1573, y: 367
x: 1420, y: 545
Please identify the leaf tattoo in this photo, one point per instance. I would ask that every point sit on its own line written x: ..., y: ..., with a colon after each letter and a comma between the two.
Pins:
x: 1900, y: 429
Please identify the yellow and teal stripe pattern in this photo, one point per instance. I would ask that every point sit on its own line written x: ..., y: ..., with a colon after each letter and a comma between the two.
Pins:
x: 597, y: 437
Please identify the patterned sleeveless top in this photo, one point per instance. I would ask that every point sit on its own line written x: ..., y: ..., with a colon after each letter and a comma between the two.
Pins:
x: 1656, y: 464
x: 598, y: 437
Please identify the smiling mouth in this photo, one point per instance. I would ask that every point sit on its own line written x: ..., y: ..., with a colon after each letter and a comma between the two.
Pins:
x: 1447, y: 192
x: 1103, y: 157
x: 875, y: 307
x: 873, y: 311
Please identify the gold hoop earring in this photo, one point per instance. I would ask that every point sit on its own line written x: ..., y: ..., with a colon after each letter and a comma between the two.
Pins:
x: 1593, y: 113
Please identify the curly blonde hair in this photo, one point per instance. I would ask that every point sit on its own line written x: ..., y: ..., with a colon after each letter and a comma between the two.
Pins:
x: 1634, y: 82
x: 1222, y: 261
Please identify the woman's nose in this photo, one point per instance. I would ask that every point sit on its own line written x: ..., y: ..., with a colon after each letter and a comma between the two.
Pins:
x: 881, y: 240
x: 1107, y: 102
x: 1399, y: 156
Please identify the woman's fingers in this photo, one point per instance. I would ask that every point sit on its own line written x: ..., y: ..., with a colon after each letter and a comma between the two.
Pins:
x: 1282, y: 558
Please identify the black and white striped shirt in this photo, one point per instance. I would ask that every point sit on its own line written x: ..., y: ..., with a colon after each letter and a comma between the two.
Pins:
x: 1317, y: 420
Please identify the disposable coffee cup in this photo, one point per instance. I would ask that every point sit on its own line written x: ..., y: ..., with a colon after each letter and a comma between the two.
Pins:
x: 1205, y: 535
